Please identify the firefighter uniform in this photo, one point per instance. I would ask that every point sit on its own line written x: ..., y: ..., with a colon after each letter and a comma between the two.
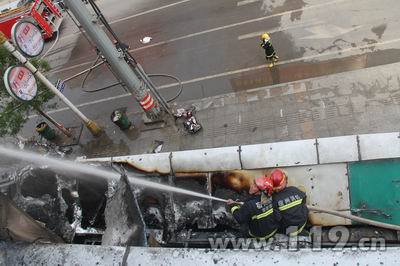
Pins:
x: 291, y: 210
x: 270, y: 53
x: 259, y: 216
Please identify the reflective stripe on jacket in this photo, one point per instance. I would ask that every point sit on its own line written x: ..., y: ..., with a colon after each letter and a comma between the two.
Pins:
x: 260, y: 217
x: 291, y: 209
x: 269, y: 49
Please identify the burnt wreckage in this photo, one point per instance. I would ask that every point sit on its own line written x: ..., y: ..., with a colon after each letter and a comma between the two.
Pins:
x: 64, y: 206
x: 93, y: 211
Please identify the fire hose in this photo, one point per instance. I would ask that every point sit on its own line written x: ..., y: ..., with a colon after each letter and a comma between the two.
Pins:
x: 355, y: 218
x: 349, y: 216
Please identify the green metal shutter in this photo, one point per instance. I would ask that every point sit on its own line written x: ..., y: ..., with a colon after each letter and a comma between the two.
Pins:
x: 375, y: 186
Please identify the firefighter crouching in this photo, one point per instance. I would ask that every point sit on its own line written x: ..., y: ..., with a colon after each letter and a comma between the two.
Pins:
x: 274, y: 208
x: 289, y: 204
x: 256, y: 215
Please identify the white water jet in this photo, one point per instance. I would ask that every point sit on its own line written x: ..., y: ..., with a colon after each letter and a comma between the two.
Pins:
x: 57, y: 164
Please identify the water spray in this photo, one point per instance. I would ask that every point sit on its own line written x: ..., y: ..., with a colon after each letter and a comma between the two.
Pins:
x: 58, y: 164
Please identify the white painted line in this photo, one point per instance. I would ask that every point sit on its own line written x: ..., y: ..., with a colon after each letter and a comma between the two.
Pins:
x: 328, y: 31
x: 254, y: 34
x: 236, y: 24
x: 213, y: 30
x: 233, y: 72
x: 71, y: 67
x: 277, y: 29
x: 239, y: 71
x: 150, y: 11
x: 281, y: 113
x: 134, y: 16
x: 86, y: 104
x: 246, y: 2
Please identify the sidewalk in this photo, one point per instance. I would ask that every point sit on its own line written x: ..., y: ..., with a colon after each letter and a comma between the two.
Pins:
x: 356, y: 102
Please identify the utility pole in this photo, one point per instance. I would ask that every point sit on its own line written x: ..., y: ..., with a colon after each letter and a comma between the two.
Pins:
x: 116, y: 58
x: 90, y: 124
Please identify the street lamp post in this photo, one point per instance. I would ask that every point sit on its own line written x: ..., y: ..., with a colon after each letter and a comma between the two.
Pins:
x: 90, y: 124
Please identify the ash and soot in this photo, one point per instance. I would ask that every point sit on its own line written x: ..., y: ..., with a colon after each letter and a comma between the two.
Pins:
x: 64, y: 165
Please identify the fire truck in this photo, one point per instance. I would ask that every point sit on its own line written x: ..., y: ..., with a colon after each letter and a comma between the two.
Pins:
x: 43, y: 13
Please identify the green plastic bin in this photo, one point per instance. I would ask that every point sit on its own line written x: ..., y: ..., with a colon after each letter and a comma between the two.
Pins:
x: 46, y: 131
x: 121, y: 120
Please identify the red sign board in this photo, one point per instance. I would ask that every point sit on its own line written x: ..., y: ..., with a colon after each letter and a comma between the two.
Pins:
x: 28, y: 38
x: 20, y: 83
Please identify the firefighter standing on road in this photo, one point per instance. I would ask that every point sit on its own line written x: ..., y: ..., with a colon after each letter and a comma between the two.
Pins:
x: 289, y: 204
x: 256, y: 215
x: 270, y: 53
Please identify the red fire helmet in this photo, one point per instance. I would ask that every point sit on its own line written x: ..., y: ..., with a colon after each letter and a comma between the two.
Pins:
x: 264, y: 184
x: 278, y: 179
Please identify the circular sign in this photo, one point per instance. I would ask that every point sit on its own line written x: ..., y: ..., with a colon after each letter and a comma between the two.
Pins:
x: 28, y: 38
x: 20, y: 83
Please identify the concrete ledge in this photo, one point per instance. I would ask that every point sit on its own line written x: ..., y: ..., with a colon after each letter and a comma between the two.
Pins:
x: 379, y: 146
x: 279, y: 154
x: 218, y: 159
x: 13, y: 254
x: 338, y: 149
x: 341, y: 149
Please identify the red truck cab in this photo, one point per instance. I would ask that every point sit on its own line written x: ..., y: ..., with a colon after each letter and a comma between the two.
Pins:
x: 43, y: 13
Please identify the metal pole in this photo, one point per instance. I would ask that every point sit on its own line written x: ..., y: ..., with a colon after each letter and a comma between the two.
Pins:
x: 65, y: 131
x: 91, y: 125
x: 153, y: 88
x: 84, y: 71
x: 115, y: 58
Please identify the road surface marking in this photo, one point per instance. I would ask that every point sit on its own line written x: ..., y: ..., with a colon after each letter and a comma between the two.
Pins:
x: 235, y: 25
x: 239, y: 71
x: 277, y: 29
x: 327, y: 31
x: 133, y: 16
x: 233, y: 72
x: 149, y: 11
x: 86, y: 104
x: 211, y: 30
x: 246, y: 2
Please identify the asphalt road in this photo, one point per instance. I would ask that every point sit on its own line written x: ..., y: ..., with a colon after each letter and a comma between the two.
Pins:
x: 213, y: 46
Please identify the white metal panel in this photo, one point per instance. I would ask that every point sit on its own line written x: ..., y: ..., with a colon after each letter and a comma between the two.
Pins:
x: 338, y: 149
x: 205, y: 160
x: 152, y: 162
x: 326, y: 186
x: 279, y: 154
x: 156, y: 162
x: 255, y: 156
x: 379, y: 146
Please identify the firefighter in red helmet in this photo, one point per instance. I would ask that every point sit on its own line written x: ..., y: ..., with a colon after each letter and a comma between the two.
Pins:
x: 279, y: 180
x: 256, y: 215
x: 289, y: 204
